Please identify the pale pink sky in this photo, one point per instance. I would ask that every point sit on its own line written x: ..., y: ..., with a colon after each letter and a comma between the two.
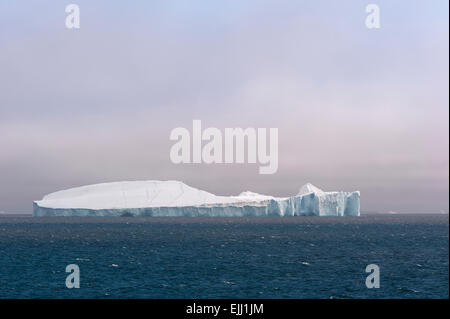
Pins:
x: 357, y: 109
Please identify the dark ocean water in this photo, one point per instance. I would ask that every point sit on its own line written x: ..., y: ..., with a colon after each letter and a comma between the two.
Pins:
x: 303, y: 257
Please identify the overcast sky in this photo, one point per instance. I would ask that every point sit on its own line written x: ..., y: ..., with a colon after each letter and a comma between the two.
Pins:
x: 356, y: 108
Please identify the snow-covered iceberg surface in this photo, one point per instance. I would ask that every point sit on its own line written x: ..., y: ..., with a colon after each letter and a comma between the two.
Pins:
x: 173, y: 198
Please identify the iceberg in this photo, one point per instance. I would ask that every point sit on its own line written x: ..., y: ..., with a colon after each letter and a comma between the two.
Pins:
x: 174, y: 198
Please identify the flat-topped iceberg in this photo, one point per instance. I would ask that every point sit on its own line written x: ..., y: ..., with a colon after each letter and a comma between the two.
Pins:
x: 173, y: 198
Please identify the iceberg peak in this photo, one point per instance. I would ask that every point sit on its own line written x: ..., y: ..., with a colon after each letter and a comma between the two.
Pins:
x: 310, y: 188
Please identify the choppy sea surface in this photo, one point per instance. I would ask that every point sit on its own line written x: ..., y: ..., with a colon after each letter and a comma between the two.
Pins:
x: 261, y: 257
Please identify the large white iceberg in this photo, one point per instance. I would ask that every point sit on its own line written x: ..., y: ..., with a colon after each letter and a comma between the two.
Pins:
x: 173, y: 198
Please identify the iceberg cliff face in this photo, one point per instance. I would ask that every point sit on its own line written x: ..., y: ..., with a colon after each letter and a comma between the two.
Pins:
x: 173, y: 198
